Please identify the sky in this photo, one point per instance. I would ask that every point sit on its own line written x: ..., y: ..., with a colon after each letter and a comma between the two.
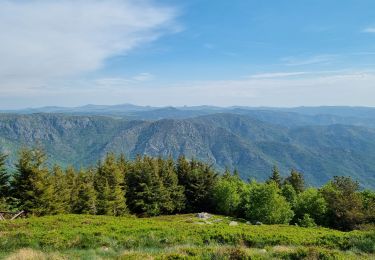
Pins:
x: 196, y: 52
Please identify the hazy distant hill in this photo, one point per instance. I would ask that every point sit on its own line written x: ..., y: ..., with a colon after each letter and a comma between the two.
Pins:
x: 289, y: 117
x: 227, y: 140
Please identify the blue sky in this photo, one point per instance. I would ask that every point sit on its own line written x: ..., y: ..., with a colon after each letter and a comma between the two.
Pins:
x: 169, y: 52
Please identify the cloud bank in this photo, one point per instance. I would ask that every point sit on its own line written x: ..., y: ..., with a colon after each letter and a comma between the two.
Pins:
x: 44, y: 39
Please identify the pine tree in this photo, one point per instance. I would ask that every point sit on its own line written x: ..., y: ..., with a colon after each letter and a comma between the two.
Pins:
x: 102, y: 191
x: 296, y: 180
x: 275, y: 177
x: 71, y: 178
x: 227, y: 174
x: 198, y: 180
x: 4, y: 177
x: 32, y: 184
x: 183, y: 170
x: 4, y: 183
x: 84, y: 201
x: 123, y: 165
x: 146, y: 193
x: 109, y: 184
x: 116, y: 182
x: 61, y: 191
x: 175, y: 197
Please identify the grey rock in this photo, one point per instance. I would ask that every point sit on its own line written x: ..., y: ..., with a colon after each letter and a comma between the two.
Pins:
x: 203, y: 215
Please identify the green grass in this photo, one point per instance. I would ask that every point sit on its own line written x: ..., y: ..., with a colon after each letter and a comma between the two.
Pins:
x: 175, y: 237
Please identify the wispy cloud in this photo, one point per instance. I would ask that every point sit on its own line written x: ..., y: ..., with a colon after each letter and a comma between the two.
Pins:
x: 120, y: 82
x: 40, y: 40
x: 144, y: 76
x: 299, y: 61
x: 277, y: 75
x: 369, y: 30
x: 308, y: 89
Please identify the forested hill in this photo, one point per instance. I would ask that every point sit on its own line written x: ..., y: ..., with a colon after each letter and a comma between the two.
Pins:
x: 225, y: 140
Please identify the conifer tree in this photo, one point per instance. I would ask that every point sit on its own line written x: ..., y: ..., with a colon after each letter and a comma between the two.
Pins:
x: 198, y: 180
x: 70, y: 177
x: 61, y: 191
x: 276, y: 177
x: 4, y: 177
x: 175, y: 197
x: 236, y: 173
x: 32, y: 184
x: 296, y: 180
x: 146, y: 193
x: 123, y: 165
x: 109, y: 184
x: 227, y: 174
x: 116, y: 181
x: 84, y: 201
x: 183, y: 170
x: 4, y: 183
x: 102, y: 191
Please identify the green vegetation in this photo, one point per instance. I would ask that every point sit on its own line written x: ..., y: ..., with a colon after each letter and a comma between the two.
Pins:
x: 154, y: 186
x: 267, y: 205
x: 176, y: 237
x: 252, y: 142
x: 279, y: 218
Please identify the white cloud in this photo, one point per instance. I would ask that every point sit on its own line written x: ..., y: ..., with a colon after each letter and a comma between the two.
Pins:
x: 277, y: 75
x: 369, y: 30
x: 144, y: 76
x: 44, y: 39
x: 300, y: 61
x: 310, y: 89
x: 117, y: 82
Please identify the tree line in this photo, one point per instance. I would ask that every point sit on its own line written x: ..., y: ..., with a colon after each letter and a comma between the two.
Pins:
x: 149, y: 186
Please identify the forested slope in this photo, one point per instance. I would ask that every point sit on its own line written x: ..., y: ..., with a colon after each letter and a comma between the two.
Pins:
x: 226, y: 140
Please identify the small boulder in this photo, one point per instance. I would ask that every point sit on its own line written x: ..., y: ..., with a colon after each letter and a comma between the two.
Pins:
x: 203, y: 215
x: 258, y: 223
x: 233, y: 223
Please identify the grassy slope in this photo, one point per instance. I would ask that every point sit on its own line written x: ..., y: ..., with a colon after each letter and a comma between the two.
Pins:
x: 182, y: 235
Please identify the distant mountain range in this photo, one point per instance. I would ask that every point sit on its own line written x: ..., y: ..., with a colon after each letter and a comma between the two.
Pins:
x: 360, y: 116
x: 319, y: 141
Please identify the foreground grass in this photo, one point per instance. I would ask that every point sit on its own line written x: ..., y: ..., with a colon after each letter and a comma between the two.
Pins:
x: 174, y: 237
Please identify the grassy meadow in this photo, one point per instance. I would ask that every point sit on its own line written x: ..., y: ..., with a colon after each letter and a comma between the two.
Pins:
x: 174, y: 237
